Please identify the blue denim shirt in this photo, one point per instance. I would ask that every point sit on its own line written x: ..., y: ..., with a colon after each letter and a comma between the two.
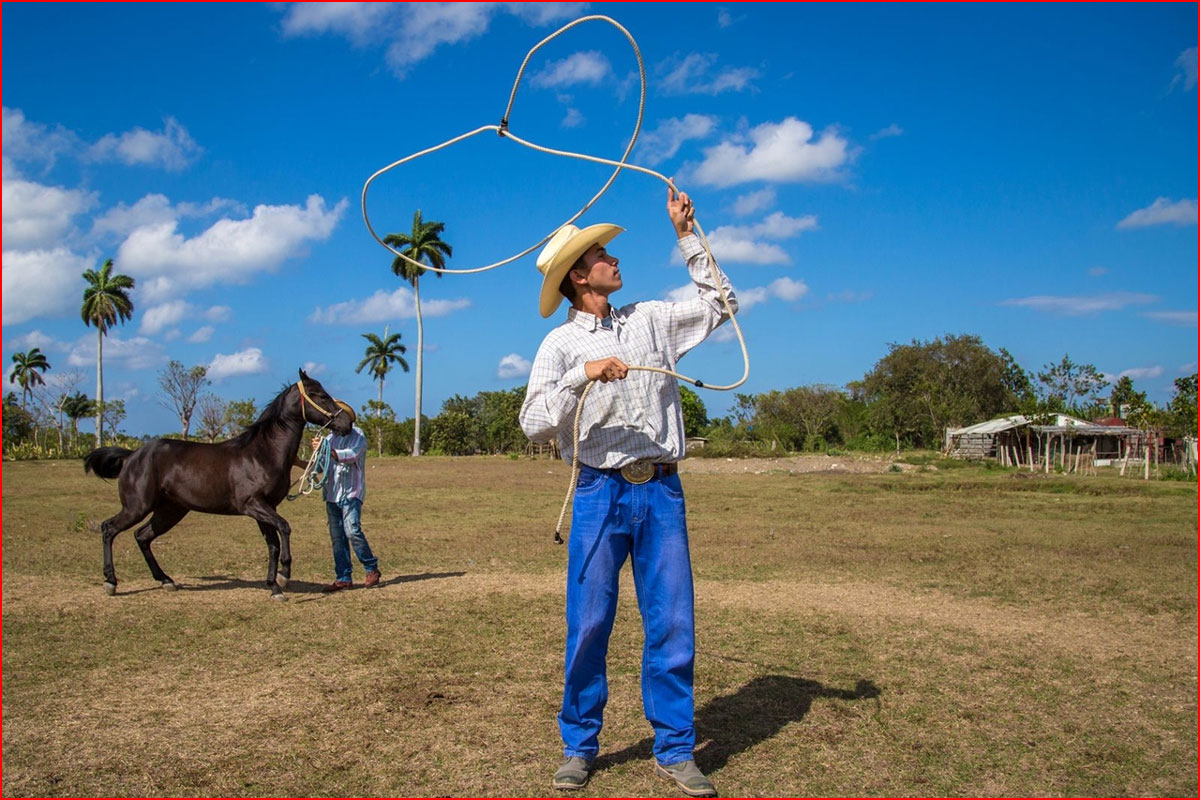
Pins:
x: 347, y: 467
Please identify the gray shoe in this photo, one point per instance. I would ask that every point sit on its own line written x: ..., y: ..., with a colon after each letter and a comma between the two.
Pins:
x: 573, y: 774
x: 687, y: 777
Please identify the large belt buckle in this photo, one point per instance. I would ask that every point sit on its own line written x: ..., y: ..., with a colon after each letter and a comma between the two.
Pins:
x: 638, y: 471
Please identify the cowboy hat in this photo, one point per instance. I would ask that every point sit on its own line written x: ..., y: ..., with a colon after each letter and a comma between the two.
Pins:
x: 350, y: 411
x: 562, y: 251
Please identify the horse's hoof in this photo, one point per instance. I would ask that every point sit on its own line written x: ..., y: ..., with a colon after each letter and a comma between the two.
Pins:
x: 110, y: 589
x: 281, y: 581
x: 169, y: 586
x: 280, y: 597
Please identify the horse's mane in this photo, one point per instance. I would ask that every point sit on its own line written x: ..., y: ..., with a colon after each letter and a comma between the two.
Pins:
x: 270, y: 418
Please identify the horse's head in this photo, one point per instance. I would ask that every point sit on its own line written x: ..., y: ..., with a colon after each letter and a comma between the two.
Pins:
x: 320, y: 408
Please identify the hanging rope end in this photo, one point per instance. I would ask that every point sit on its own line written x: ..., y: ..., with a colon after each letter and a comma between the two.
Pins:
x: 699, y: 384
x: 558, y: 538
x: 503, y: 129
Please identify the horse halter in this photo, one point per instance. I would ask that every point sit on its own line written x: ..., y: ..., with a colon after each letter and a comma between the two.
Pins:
x: 304, y: 397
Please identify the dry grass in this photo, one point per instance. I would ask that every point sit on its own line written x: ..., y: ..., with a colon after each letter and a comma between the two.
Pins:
x: 974, y: 633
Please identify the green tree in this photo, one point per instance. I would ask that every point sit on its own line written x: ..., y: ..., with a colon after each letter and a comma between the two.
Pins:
x: 26, y: 373
x: 379, y: 357
x: 422, y: 246
x: 918, y: 390
x: 212, y: 417
x: 377, y: 420
x: 1124, y: 395
x: 240, y: 414
x: 106, y: 303
x: 17, y: 423
x: 77, y: 406
x: 1182, y: 407
x: 113, y: 413
x: 695, y: 415
x: 181, y: 387
x: 452, y: 433
x: 1070, y: 387
x: 498, y: 421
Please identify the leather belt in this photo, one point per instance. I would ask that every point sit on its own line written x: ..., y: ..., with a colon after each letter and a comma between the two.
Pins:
x: 643, y: 471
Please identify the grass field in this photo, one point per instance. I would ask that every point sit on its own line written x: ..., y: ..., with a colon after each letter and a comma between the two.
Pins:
x: 970, y: 632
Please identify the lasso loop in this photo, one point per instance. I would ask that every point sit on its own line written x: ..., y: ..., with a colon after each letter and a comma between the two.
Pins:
x: 504, y: 132
x: 317, y: 470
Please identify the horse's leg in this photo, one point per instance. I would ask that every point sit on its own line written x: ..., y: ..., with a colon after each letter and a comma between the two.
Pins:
x: 122, y: 520
x: 163, y: 520
x: 271, y: 536
x: 285, y: 556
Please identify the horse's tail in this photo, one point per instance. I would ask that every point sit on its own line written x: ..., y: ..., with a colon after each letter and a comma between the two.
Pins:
x: 106, y: 462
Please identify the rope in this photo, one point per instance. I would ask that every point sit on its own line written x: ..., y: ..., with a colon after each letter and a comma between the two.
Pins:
x: 316, y: 472
x: 503, y: 131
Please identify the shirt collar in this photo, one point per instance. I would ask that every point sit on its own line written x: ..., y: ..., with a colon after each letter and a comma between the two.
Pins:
x: 590, y: 321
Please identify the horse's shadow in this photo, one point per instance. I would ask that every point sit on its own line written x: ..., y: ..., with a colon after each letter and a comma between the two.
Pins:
x: 757, y: 711
x: 225, y: 582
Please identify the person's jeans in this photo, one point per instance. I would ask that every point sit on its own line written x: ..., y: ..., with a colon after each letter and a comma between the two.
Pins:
x: 345, y: 529
x: 613, y: 519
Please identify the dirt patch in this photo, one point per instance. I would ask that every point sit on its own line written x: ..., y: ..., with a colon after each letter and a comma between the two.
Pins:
x: 794, y: 465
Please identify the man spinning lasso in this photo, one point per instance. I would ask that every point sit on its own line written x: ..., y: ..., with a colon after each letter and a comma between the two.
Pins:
x: 629, y: 501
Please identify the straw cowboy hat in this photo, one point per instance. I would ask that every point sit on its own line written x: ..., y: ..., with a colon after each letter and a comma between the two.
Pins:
x: 562, y: 251
x: 349, y: 411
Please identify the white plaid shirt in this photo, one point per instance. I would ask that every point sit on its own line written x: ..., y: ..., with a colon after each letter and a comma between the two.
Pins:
x: 347, y: 479
x: 636, y: 418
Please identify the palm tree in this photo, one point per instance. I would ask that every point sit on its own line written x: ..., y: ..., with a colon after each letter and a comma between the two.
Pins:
x: 76, y: 407
x: 105, y: 303
x: 26, y: 372
x: 380, y: 355
x: 423, y: 245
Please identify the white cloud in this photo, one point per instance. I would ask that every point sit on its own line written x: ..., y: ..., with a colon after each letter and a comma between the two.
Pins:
x: 748, y: 204
x: 38, y: 216
x: 745, y: 243
x: 218, y: 314
x: 1162, y: 212
x: 202, y: 334
x: 782, y: 152
x: 1181, y: 318
x: 313, y: 368
x: 1186, y: 64
x: 36, y: 283
x: 693, y: 74
x: 1141, y: 373
x: 137, y: 353
x: 156, y: 318
x: 35, y: 338
x: 890, y: 130
x: 383, y: 306
x: 788, y: 290
x: 513, y: 366
x: 590, y: 67
x: 156, y: 209
x: 244, y: 362
x: 724, y: 20
x: 664, y: 141
x: 229, y: 251
x: 358, y: 22
x: 31, y: 141
x: 1079, y: 305
x: 172, y: 148
x: 573, y: 118
x: 749, y: 298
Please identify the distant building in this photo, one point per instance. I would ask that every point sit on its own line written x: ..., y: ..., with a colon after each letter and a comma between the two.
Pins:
x: 1016, y: 441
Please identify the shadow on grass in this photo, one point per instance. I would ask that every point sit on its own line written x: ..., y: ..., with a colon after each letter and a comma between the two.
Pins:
x: 218, y: 582
x: 734, y: 723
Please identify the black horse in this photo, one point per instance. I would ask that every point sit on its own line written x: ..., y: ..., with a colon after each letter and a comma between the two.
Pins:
x: 248, y: 474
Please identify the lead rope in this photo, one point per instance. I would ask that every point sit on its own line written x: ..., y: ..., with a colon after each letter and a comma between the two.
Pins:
x: 316, y: 471
x: 503, y: 131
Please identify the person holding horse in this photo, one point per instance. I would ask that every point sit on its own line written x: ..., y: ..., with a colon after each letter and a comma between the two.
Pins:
x: 345, y: 490
x: 628, y: 501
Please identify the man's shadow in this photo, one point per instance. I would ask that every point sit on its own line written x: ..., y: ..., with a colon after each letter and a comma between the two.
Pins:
x: 756, y: 712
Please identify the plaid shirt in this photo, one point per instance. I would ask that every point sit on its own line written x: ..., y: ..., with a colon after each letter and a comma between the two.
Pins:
x: 347, y: 461
x: 636, y: 418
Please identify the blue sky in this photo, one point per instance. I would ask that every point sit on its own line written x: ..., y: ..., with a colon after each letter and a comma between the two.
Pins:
x: 866, y: 174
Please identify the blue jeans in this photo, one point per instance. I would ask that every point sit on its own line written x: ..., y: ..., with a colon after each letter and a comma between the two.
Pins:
x: 345, y: 529
x: 612, y: 520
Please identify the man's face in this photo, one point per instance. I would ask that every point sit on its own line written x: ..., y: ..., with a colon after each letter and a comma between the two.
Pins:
x: 601, y: 270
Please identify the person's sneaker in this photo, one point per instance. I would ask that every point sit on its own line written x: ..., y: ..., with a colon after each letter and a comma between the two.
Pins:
x: 372, y: 578
x: 573, y: 774
x: 688, y: 778
x: 337, y: 586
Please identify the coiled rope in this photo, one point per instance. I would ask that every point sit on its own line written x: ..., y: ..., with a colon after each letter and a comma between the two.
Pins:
x: 504, y: 132
x: 317, y: 470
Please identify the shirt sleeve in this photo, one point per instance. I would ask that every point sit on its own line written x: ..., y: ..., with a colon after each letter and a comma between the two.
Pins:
x: 552, y: 395
x: 691, y: 321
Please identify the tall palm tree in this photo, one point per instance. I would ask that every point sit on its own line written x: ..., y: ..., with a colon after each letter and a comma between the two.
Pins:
x: 76, y: 407
x: 380, y: 355
x: 105, y: 303
x: 423, y: 245
x: 26, y: 372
